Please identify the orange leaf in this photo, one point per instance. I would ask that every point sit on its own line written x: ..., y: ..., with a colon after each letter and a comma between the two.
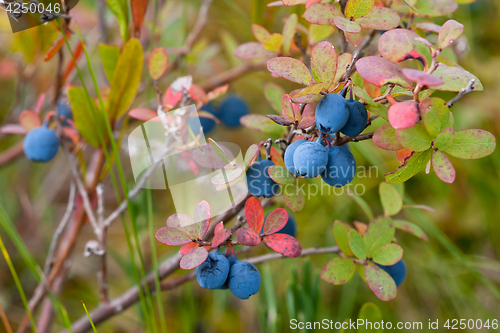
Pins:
x: 56, y: 47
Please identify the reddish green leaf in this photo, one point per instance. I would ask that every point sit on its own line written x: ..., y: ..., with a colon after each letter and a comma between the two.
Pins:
x: 380, y: 232
x: 422, y: 78
x: 322, y: 13
x: 29, y: 120
x: 308, y: 117
x: 343, y: 61
x: 179, y: 220
x: 445, y: 139
x: 310, y: 94
x: 455, y: 78
x: 471, y: 144
x: 126, y: 79
x: 273, y: 94
x: 401, y: 44
x: 260, y: 32
x: 411, y: 228
x: 450, y: 31
x: 194, y: 258
x: 252, y: 50
x: 289, y: 30
x: 443, y: 167
x: 385, y: 138
x: 138, y: 8
x: 292, y: 2
x: 340, y: 234
x: 381, y: 283
x: 284, y: 244
x: 380, y: 71
x: 254, y: 214
x: 217, y: 92
x: 338, y: 271
x: 290, y: 69
x: 273, y: 42
x: 294, y: 199
x: 227, y: 177
x: 403, y: 114
x: 380, y: 18
x: 276, y: 157
x: 280, y: 175
x: 261, y: 123
x: 428, y: 26
x: 251, y: 154
x: 358, y: 8
x: 435, y: 115
x: 324, y: 63
x: 158, y: 62
x: 142, y: 114
x: 391, y: 199
x: 172, y: 236
x: 357, y: 244
x: 319, y: 32
x: 409, y: 168
x: 247, y: 236
x: 354, y: 39
x: 202, y: 217
x: 286, y: 106
x: 414, y: 138
x: 275, y: 221
x: 346, y: 25
x: 389, y: 254
x: 220, y: 236
x: 433, y: 8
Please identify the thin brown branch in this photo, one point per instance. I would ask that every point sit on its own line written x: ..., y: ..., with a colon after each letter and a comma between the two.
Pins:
x: 230, y: 75
x: 462, y: 93
x: 12, y: 153
x: 358, y: 54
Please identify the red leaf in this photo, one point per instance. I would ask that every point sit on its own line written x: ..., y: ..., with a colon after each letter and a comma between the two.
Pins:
x: 276, y: 157
x: 202, y: 214
x: 218, y: 227
x: 380, y: 71
x: 171, y: 98
x: 403, y: 153
x: 284, y: 244
x: 286, y: 105
x: 221, y: 236
x: 143, y: 114
x: 56, y: 47
x: 194, y: 258
x: 322, y: 13
x: 172, y: 236
x: 139, y: 8
x: 39, y: 103
x: 354, y: 39
x: 198, y: 94
x: 308, y: 116
x: 157, y: 62
x: 71, y: 65
x: 275, y: 221
x: 422, y: 77
x: 404, y: 115
x: 29, y: 119
x: 443, y: 167
x: 254, y: 214
x: 217, y: 92
x: 187, y: 247
x: 247, y: 236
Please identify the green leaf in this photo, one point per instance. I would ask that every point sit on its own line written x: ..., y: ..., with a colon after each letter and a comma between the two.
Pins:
x: 274, y: 94
x: 381, y: 283
x: 411, y: 228
x: 273, y: 42
x: 309, y: 94
x: 260, y: 32
x: 324, y: 63
x: 364, y: 206
x: 289, y: 30
x: 471, y: 144
x: 362, y: 94
x: 86, y: 113
x: 338, y: 271
x: 443, y: 167
x: 380, y: 18
x: 450, y: 31
x: 410, y: 168
x: 388, y: 254
x: 126, y: 79
x: 380, y: 232
x: 319, y: 32
x: 445, y: 139
x: 158, y: 62
x: 262, y: 123
x: 280, y: 175
x: 357, y: 244
x: 346, y: 25
x: 380, y: 110
x: 109, y: 58
x: 433, y: 8
x: 340, y: 234
x: 455, y: 78
x: 385, y: 138
x: 391, y: 199
x: 435, y: 114
x: 291, y: 69
x: 358, y: 8
x: 322, y: 13
x: 120, y: 9
x: 414, y: 138
x: 369, y: 312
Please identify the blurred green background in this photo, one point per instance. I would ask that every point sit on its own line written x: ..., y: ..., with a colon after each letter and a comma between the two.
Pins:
x: 455, y: 275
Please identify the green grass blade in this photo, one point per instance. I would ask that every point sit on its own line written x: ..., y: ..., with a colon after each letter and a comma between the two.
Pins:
x: 90, y: 319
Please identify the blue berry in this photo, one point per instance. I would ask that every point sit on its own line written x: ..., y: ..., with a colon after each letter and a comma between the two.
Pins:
x: 232, y: 110
x: 244, y: 279
x: 259, y: 182
x: 310, y: 159
x: 64, y: 109
x: 341, y: 167
x: 206, y: 123
x: 396, y: 271
x: 331, y: 113
x: 290, y: 150
x: 290, y: 228
x: 213, y: 272
x: 358, y: 117
x: 41, y: 144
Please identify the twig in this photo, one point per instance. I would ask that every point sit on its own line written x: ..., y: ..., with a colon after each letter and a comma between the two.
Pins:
x: 131, y: 296
x: 345, y: 139
x: 11, y: 154
x: 358, y: 54
x: 231, y: 74
x: 102, y: 274
x: 462, y: 93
